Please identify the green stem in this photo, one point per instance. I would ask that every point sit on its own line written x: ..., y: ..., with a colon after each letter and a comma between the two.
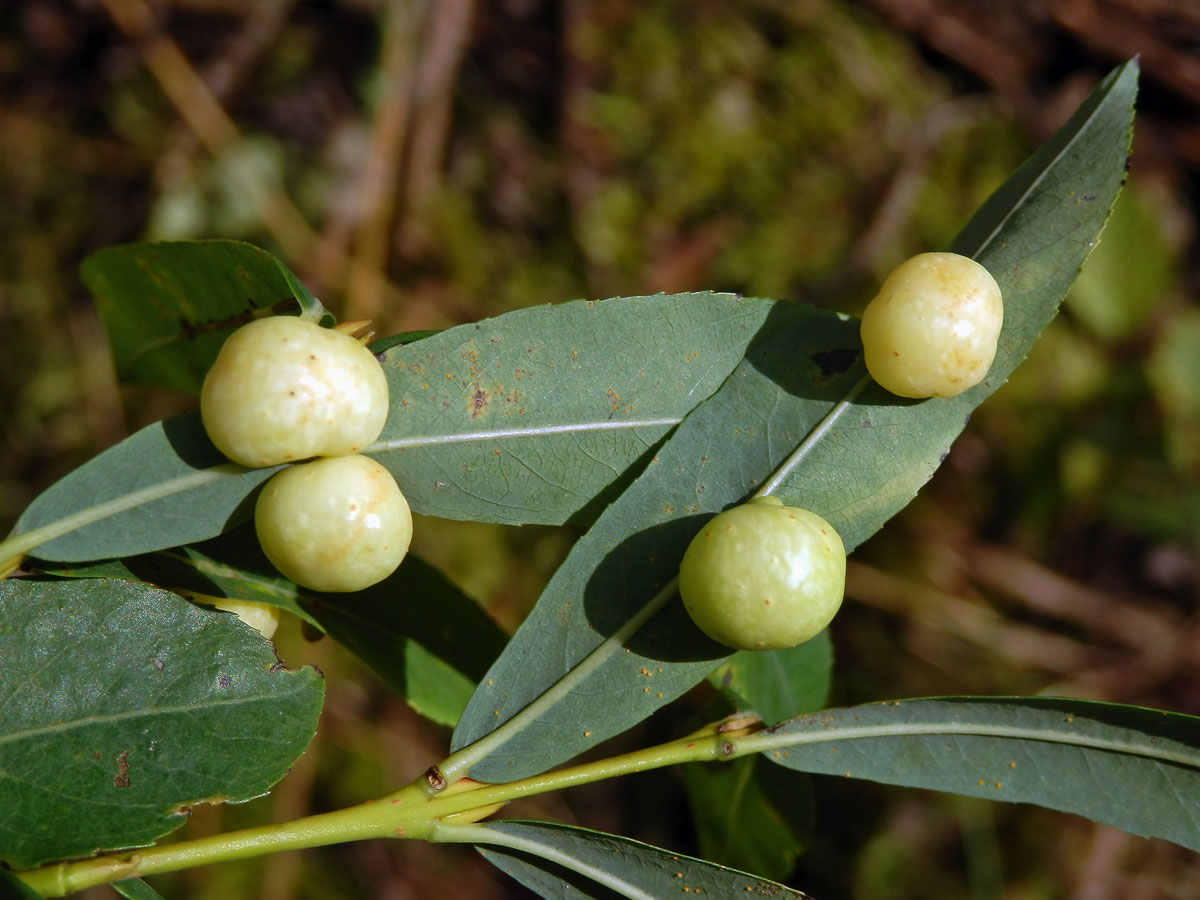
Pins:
x: 370, y: 820
x: 408, y: 813
x: 458, y: 764
x: 810, y: 441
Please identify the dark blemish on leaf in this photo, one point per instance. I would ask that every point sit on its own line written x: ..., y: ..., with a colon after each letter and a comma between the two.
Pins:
x: 942, y: 457
x: 479, y: 402
x: 276, y: 666
x: 158, y: 664
x: 835, y: 362
x: 966, y: 418
x: 224, y: 682
x: 121, y: 779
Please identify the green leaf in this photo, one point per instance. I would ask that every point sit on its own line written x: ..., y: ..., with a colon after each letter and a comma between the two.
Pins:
x: 780, y: 684
x: 168, y: 307
x: 761, y: 412
x: 595, y: 386
x: 745, y: 815
x: 565, y: 863
x: 1174, y: 374
x: 232, y: 565
x: 538, y: 415
x: 865, y: 459
x: 383, y: 344
x: 757, y: 817
x: 163, y: 486
x: 1127, y: 277
x: 135, y: 889
x: 424, y: 637
x: 123, y: 706
x: 1133, y: 768
x: 427, y: 640
x: 736, y: 813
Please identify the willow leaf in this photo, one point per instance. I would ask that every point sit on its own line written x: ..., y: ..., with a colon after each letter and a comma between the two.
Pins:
x: 865, y: 455
x: 1133, y: 768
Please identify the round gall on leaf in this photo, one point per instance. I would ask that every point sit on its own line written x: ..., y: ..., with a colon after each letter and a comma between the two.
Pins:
x: 285, y: 389
x: 932, y: 329
x: 335, y: 524
x: 763, y: 576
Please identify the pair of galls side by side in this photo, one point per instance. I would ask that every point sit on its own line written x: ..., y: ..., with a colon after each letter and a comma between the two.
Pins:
x: 284, y: 389
x: 764, y: 576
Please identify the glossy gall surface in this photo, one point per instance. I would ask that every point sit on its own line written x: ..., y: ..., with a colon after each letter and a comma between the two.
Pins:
x: 335, y: 524
x: 284, y: 389
x: 932, y: 329
x: 763, y: 576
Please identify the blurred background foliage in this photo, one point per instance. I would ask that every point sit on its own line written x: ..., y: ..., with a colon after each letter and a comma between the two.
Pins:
x: 427, y: 163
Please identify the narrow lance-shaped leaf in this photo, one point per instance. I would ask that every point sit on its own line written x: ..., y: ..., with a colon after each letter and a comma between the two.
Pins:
x: 423, y: 636
x: 135, y: 889
x: 751, y: 815
x: 780, y: 684
x: 123, y: 705
x: 536, y: 416
x: 232, y: 565
x: 861, y: 466
x: 744, y: 811
x: 167, y: 307
x: 567, y: 863
x: 1134, y: 768
x: 164, y: 486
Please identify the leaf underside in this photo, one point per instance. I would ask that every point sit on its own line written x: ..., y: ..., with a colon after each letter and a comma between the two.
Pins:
x: 866, y: 465
x: 578, y: 864
x: 1134, y: 768
x: 538, y: 416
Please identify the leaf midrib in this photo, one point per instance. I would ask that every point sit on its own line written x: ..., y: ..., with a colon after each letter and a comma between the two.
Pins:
x: 127, y: 715
x: 766, y: 741
x: 495, y: 434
